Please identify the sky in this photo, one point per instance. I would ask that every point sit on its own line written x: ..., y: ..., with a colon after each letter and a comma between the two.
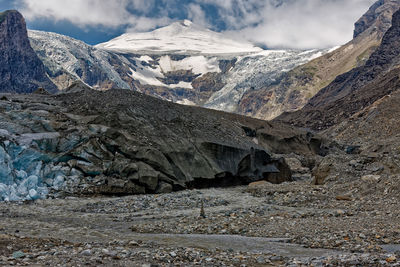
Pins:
x: 301, y: 24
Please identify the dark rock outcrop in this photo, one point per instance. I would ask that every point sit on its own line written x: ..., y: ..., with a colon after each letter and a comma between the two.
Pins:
x: 355, y: 90
x: 377, y: 19
x: 21, y: 71
x: 122, y: 142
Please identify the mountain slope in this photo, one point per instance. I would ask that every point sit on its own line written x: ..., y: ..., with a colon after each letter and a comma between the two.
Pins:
x: 376, y: 127
x: 355, y: 90
x: 297, y: 86
x: 254, y: 72
x: 68, y: 60
x: 191, y: 77
x: 21, y: 71
x: 181, y: 37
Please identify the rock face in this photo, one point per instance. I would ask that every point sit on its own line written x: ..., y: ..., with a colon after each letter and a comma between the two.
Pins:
x: 374, y: 128
x: 122, y: 142
x: 355, y: 90
x: 21, y: 71
x: 292, y: 90
x: 377, y: 18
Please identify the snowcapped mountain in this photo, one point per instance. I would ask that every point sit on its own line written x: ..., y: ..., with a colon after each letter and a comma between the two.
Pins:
x: 183, y: 63
x: 68, y: 59
x: 181, y: 37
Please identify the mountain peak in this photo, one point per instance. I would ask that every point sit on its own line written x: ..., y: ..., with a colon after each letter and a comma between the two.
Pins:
x: 187, y: 23
x: 8, y: 13
x: 180, y: 37
x: 396, y: 20
x: 21, y: 69
x: 377, y: 19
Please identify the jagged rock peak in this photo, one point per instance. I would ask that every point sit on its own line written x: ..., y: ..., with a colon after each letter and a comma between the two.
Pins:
x: 389, y: 52
x: 14, y: 21
x: 8, y: 13
x: 21, y: 69
x: 396, y: 19
x: 377, y: 18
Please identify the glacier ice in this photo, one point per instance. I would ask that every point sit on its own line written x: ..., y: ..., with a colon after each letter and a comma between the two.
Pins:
x: 23, y: 173
x: 58, y: 182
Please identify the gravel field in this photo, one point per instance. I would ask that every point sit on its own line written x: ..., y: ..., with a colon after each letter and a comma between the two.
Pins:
x: 261, y: 224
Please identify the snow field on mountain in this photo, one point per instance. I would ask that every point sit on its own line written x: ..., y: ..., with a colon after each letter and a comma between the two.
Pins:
x: 198, y: 64
x: 181, y: 37
x: 62, y: 52
x: 148, y: 74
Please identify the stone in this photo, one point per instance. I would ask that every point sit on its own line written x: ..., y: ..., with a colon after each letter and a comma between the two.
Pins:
x: 133, y: 243
x: 164, y: 187
x: 322, y: 171
x: 261, y: 260
x: 391, y: 259
x: 371, y: 178
x: 18, y: 255
x: 257, y: 184
x: 296, y: 166
x: 86, y: 252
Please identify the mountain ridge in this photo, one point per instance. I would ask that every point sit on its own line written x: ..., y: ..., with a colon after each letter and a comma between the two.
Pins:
x: 353, y: 91
x: 299, y: 85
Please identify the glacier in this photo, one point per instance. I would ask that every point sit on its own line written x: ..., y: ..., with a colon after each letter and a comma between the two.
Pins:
x: 255, y: 71
x: 21, y: 175
x: 27, y: 170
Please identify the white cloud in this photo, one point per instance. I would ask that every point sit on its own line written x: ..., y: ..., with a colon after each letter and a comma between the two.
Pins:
x: 86, y: 12
x: 142, y: 24
x: 276, y: 23
x: 197, y: 15
x: 302, y: 23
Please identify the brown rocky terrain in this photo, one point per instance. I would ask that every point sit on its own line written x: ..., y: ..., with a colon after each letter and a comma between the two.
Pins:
x: 355, y: 90
x: 337, y: 204
x: 294, y: 89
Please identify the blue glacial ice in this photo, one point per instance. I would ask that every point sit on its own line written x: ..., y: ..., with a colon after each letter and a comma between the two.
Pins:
x: 25, y: 173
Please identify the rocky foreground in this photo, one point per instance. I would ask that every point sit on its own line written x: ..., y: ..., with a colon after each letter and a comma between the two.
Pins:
x: 72, y: 162
x: 340, y: 224
x: 69, y: 161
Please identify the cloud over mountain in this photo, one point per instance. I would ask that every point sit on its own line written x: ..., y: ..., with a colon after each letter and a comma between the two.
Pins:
x: 274, y: 23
